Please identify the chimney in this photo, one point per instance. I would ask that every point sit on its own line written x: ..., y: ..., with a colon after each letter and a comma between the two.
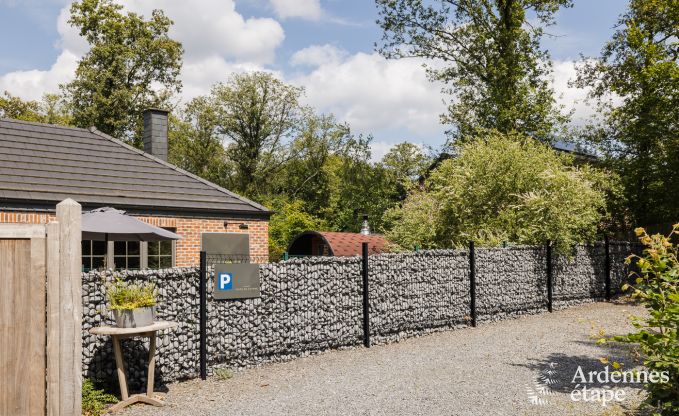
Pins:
x: 155, y: 132
x: 365, y: 227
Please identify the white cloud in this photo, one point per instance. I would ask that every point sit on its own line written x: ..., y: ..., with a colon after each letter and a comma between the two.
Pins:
x: 318, y: 55
x: 217, y: 41
x: 372, y: 94
x: 305, y: 9
x: 571, y: 98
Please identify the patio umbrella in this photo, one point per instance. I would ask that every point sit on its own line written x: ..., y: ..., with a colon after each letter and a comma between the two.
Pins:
x: 109, y: 224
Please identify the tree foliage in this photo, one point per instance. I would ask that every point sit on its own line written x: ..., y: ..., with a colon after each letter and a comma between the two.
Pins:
x: 502, y: 188
x: 291, y: 218
x: 635, y: 82
x: 195, y: 144
x: 132, y: 65
x: 487, y: 53
x: 51, y: 109
x: 259, y: 115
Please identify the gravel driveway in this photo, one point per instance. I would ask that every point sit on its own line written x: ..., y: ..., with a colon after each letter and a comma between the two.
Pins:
x: 490, y: 370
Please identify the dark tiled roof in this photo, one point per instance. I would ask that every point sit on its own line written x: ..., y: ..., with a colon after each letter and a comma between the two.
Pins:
x: 43, y: 164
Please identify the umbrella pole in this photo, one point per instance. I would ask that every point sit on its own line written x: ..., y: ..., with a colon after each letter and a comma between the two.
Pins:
x: 106, y: 265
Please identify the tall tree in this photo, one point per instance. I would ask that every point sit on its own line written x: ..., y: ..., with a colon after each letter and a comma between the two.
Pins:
x: 636, y: 83
x: 488, y: 55
x: 406, y: 162
x: 259, y: 115
x: 132, y: 64
x: 195, y: 143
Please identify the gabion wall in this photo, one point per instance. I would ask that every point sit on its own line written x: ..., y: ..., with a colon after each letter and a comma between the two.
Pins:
x: 411, y: 293
x: 314, y: 304
x: 510, y: 282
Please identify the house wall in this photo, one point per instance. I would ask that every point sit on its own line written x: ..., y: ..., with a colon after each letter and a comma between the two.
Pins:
x: 188, y: 248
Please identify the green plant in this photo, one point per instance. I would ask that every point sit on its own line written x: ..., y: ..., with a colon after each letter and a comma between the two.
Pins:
x: 124, y: 295
x: 223, y: 373
x: 95, y: 401
x: 502, y: 187
x: 657, y: 288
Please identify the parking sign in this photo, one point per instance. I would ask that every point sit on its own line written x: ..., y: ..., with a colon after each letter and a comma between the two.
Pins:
x: 225, y: 281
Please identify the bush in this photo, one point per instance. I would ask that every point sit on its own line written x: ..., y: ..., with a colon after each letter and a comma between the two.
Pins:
x: 657, y: 288
x: 502, y: 187
x: 95, y: 401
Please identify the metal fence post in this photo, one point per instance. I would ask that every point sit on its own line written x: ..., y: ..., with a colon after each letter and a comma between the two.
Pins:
x: 607, y: 267
x: 203, y: 315
x: 472, y: 282
x: 366, y: 300
x: 549, y: 276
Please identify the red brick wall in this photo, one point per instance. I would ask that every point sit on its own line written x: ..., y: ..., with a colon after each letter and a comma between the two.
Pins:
x: 188, y: 248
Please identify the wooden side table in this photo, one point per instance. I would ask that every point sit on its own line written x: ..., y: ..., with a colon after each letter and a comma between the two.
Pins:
x: 118, y: 334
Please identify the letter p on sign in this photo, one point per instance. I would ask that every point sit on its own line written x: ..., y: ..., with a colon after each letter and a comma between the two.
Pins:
x: 225, y: 281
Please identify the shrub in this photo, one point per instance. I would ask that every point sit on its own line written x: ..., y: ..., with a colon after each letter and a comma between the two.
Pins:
x: 95, y: 401
x: 502, y: 187
x: 123, y: 295
x: 657, y: 288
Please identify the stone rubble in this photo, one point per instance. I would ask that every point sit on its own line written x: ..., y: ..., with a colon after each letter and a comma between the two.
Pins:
x: 309, y: 305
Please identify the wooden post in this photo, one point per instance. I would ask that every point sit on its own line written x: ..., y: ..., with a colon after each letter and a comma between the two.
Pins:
x: 366, y: 296
x: 53, y: 319
x: 70, y: 308
x: 472, y: 282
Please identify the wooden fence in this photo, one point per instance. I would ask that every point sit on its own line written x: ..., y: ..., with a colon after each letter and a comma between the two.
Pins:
x: 41, y: 316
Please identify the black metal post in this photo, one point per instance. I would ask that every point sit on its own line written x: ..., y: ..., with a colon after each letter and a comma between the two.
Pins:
x: 203, y: 315
x: 472, y: 282
x: 549, y: 276
x: 366, y: 300
x: 607, y: 266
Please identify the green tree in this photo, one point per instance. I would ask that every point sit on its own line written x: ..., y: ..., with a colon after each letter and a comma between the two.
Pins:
x: 290, y: 219
x: 305, y: 176
x: 358, y: 186
x: 51, y: 109
x: 260, y: 116
x: 635, y: 82
x: 132, y: 64
x: 487, y: 53
x: 407, y: 163
x: 195, y: 144
x: 502, y: 188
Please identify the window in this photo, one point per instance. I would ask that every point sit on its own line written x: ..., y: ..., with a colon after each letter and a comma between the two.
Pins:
x: 160, y: 253
x: 127, y: 255
x: 94, y: 253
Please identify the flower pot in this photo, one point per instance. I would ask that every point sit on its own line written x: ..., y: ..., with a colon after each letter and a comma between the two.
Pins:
x: 134, y: 318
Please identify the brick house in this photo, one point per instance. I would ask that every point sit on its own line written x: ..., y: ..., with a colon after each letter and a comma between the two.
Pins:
x: 41, y: 165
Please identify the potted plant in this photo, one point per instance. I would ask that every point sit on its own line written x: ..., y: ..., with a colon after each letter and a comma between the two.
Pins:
x: 133, y: 305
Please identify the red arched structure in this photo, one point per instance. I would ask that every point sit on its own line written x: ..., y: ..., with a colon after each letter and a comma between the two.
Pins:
x: 326, y: 243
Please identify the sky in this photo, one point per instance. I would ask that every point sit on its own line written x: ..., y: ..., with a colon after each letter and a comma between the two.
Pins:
x: 326, y: 46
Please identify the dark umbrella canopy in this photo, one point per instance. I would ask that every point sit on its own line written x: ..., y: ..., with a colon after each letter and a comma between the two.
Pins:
x: 109, y: 224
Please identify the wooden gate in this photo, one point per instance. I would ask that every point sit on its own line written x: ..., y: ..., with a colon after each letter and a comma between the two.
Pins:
x: 40, y: 316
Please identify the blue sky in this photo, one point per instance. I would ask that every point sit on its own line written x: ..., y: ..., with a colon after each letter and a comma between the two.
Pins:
x: 324, y: 45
